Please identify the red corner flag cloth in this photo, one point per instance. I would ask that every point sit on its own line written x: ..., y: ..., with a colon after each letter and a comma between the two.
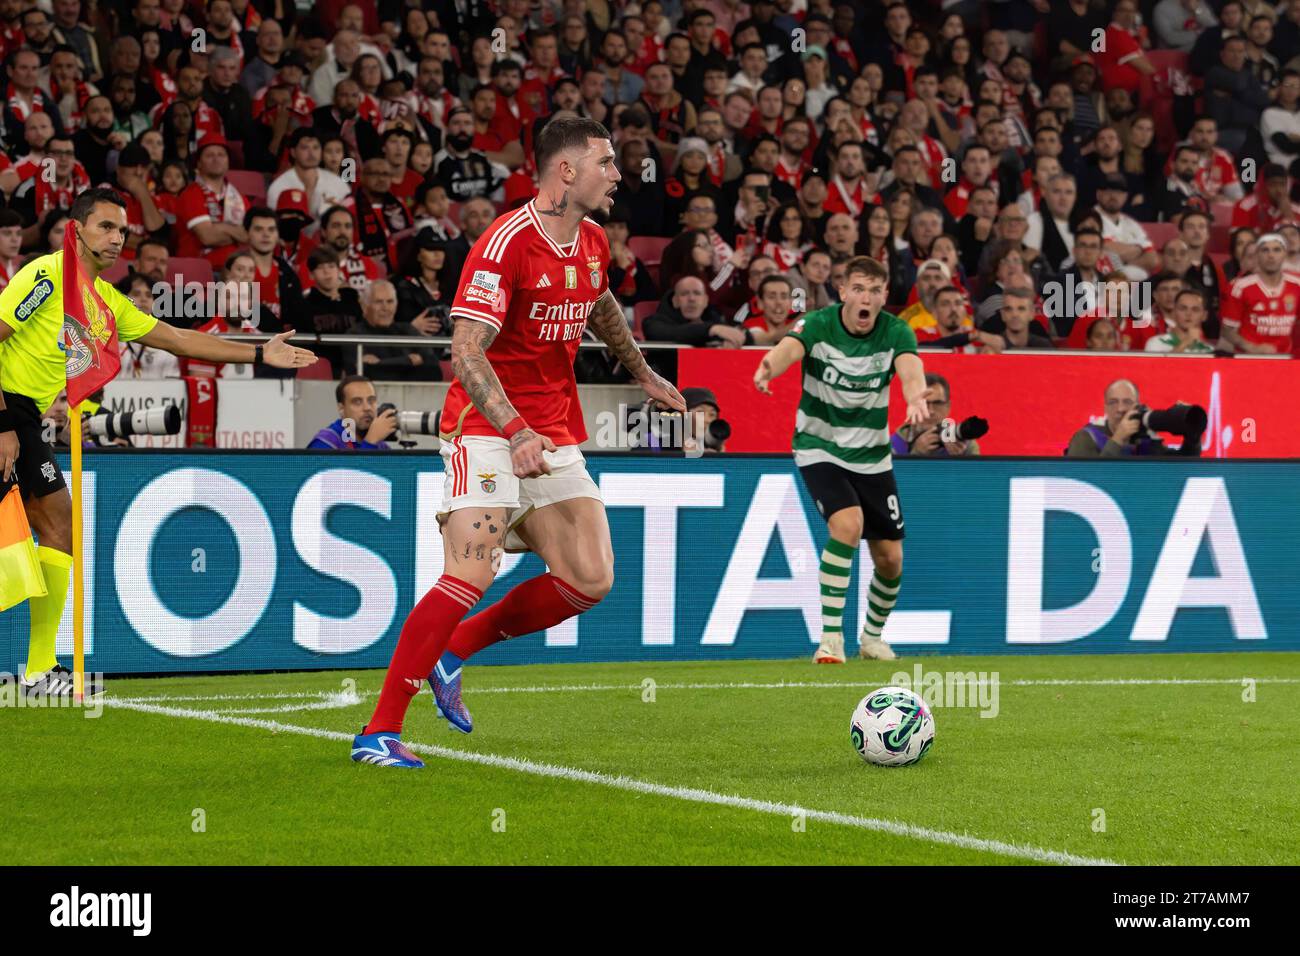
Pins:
x: 89, y: 328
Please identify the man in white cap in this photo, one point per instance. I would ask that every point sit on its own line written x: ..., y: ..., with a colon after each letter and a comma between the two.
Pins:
x: 1259, y: 311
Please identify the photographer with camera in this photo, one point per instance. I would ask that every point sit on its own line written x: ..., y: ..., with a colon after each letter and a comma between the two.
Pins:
x: 928, y: 438
x: 699, y: 431
x: 1129, y: 428
x: 706, y: 429
x: 361, y: 423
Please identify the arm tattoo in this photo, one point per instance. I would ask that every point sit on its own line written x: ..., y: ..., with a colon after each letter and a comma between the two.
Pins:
x: 469, y: 344
x: 557, y: 208
x: 610, y: 325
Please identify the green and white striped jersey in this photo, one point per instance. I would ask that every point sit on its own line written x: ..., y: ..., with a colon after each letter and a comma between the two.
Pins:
x: 843, y: 416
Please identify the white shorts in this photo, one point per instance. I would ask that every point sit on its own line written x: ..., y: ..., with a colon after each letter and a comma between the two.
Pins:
x: 480, y: 474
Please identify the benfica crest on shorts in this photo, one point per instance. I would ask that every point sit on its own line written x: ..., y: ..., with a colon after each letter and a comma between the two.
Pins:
x: 488, y: 482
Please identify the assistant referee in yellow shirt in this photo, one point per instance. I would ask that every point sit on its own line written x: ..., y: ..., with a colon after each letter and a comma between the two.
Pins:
x: 33, y: 370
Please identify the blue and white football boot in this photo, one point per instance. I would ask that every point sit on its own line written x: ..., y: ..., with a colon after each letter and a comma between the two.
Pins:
x: 384, y: 748
x: 446, y: 696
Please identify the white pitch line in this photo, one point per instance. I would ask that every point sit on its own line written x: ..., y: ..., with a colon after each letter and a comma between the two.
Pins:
x: 296, y: 695
x: 690, y: 794
x: 732, y: 685
x: 334, y: 701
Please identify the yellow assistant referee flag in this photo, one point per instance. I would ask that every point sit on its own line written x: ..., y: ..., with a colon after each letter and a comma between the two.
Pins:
x: 20, y: 571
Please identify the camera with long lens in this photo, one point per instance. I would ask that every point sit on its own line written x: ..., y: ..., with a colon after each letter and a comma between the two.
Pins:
x: 411, y: 423
x: 973, y: 427
x: 716, y: 436
x: 418, y: 423
x: 1189, y: 421
x: 110, y: 426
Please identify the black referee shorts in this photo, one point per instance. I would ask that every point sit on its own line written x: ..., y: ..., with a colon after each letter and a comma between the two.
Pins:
x: 833, y: 489
x: 37, y: 470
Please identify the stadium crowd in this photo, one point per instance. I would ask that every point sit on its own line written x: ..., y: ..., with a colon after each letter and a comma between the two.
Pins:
x: 1118, y: 176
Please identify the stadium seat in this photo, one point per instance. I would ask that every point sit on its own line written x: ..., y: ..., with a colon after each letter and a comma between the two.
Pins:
x: 1160, y: 232
x: 649, y: 249
x: 318, y: 371
x: 190, y: 270
x: 1222, y: 214
x: 117, y: 271
x: 235, y: 150
x: 1164, y: 60
x: 640, y: 312
x: 447, y: 373
x: 1220, y: 259
x: 251, y: 183
x: 1220, y: 237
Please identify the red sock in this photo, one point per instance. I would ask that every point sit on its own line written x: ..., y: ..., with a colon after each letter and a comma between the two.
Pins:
x: 535, y: 605
x: 423, y: 639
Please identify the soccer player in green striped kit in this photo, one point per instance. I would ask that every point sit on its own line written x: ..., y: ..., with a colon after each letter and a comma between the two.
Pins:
x: 849, y: 352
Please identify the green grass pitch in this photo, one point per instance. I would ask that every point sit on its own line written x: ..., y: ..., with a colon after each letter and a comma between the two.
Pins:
x: 1153, y: 759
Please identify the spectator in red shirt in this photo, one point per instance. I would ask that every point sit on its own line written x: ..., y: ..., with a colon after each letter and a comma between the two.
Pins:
x: 976, y: 168
x: 775, y: 319
x: 338, y: 233
x: 210, y: 211
x: 397, y: 146
x: 131, y: 181
x: 500, y: 144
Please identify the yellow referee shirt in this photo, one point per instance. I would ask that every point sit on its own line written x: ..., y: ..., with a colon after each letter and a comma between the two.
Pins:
x: 32, y: 360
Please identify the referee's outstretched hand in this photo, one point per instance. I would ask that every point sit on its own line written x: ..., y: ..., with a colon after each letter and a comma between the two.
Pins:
x: 281, y: 354
x: 8, y: 454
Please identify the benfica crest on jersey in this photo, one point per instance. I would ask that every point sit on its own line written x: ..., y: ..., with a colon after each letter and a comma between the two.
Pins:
x: 594, y: 266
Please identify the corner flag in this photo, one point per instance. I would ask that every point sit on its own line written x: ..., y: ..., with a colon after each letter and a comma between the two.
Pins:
x: 20, y: 571
x: 89, y: 328
x: 90, y: 345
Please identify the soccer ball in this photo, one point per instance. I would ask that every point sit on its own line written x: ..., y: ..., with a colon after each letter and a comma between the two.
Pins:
x: 892, y: 727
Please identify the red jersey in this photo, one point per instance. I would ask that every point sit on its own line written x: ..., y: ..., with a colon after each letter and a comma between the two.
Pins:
x: 1213, y: 174
x: 839, y: 198
x: 537, y: 295
x: 198, y: 204
x: 1254, y: 212
x: 357, y: 269
x: 1263, y: 315
x: 792, y: 176
x: 959, y: 198
x: 268, y: 291
x: 1114, y: 60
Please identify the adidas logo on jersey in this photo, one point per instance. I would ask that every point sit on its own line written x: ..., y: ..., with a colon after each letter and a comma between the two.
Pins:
x: 543, y: 282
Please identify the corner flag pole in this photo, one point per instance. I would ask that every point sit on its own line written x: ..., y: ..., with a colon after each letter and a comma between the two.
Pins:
x: 78, y: 609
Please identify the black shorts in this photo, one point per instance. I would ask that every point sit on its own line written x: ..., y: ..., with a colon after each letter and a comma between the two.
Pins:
x: 833, y: 488
x: 38, y: 471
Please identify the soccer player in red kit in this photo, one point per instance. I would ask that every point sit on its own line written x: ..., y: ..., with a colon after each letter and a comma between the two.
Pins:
x: 1259, y: 311
x: 510, y: 429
